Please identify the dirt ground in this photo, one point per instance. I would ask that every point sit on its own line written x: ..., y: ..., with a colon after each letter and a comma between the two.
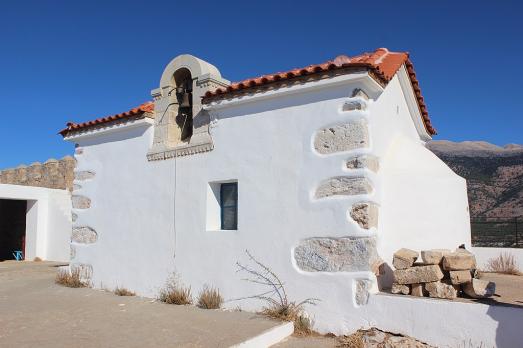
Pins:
x: 509, y: 289
x: 36, y: 312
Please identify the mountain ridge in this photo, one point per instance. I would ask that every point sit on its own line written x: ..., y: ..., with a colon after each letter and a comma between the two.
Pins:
x: 494, y: 175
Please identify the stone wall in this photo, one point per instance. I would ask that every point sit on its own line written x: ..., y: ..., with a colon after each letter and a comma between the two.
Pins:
x: 55, y: 174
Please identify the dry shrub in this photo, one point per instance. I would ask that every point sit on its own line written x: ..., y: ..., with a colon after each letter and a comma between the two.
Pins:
x: 70, y: 279
x: 175, y: 293
x: 37, y: 259
x: 354, y: 340
x: 123, y: 292
x: 504, y: 263
x: 278, y: 305
x: 210, y: 298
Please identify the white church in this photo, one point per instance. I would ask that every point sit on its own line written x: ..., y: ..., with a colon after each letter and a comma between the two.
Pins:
x: 321, y: 173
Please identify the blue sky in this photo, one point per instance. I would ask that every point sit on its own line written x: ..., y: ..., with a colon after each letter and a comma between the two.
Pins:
x: 78, y: 60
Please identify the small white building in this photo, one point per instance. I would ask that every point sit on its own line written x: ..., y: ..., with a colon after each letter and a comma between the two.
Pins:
x: 321, y: 173
x: 35, y: 221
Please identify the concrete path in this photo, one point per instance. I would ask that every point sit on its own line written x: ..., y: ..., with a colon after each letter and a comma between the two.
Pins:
x: 309, y: 342
x: 36, y: 312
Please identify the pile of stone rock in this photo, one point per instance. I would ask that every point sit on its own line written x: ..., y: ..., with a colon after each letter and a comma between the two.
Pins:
x: 441, y: 273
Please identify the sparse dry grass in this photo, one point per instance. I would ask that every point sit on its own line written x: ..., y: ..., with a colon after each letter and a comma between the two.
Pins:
x: 278, y: 305
x: 504, y: 263
x: 123, y: 292
x: 210, y: 298
x: 175, y: 293
x: 354, y: 340
x: 71, y: 279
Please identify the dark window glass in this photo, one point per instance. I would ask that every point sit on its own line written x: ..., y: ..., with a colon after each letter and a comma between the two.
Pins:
x: 229, y: 205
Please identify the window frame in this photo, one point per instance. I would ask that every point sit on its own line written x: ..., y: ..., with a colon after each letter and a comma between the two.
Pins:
x: 223, y: 207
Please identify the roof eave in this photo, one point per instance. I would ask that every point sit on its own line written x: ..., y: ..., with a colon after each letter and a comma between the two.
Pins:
x: 135, y: 121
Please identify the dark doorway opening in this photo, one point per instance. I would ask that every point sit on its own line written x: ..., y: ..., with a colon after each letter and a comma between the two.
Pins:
x: 12, y: 227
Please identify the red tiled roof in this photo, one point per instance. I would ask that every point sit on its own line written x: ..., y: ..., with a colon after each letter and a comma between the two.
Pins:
x: 137, y: 112
x: 382, y: 63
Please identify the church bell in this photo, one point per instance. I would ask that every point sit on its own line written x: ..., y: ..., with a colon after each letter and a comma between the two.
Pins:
x: 183, y: 97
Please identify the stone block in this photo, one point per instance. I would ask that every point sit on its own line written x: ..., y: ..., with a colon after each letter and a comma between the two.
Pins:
x: 404, y: 258
x: 378, y: 266
x: 84, y: 235
x: 416, y: 290
x: 362, y: 287
x: 348, y: 254
x: 366, y: 161
x: 80, y: 202
x: 460, y: 277
x: 83, y: 175
x: 457, y: 261
x: 400, y: 289
x: 478, y: 288
x: 442, y: 290
x: 422, y: 274
x: 365, y: 214
x: 354, y: 105
x: 433, y: 256
x: 343, y: 185
x: 343, y: 137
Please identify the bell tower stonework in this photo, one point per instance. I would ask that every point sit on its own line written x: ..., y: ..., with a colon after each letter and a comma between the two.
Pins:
x: 181, y: 126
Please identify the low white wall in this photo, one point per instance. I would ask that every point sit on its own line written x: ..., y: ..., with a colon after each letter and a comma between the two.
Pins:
x: 484, y: 254
x: 48, y: 220
x: 445, y: 323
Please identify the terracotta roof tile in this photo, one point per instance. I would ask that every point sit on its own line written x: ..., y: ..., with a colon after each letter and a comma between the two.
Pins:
x: 137, y: 112
x: 382, y: 63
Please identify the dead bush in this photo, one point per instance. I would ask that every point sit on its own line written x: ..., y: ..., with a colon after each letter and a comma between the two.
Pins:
x: 504, y: 263
x: 354, y: 340
x: 278, y: 305
x: 70, y: 278
x: 175, y: 293
x: 123, y: 292
x: 210, y: 298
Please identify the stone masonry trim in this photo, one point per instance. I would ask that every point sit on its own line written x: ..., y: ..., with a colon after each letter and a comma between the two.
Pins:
x: 84, y: 235
x: 84, y: 175
x: 362, y: 287
x: 361, y: 162
x: 365, y: 214
x: 343, y: 185
x: 346, y: 254
x: 342, y: 137
x: 80, y: 202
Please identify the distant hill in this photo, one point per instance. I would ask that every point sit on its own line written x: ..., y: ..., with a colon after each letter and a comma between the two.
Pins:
x: 494, y: 175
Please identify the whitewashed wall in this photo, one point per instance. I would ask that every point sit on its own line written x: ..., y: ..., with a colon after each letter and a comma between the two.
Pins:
x: 150, y: 218
x: 48, y: 220
x: 444, y: 323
